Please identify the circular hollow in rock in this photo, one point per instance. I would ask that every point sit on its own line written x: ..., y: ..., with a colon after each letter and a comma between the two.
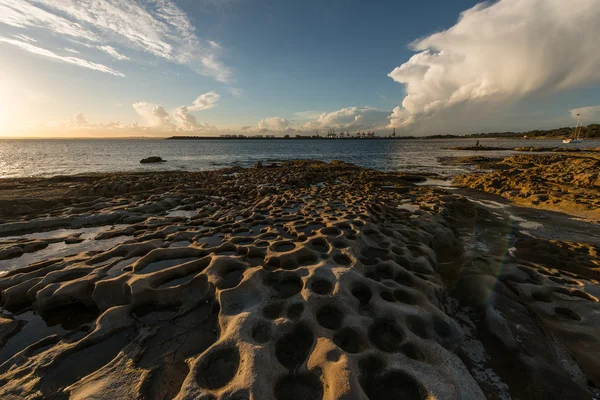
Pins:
x: 387, y: 296
x: 284, y: 247
x: 273, y: 311
x: 342, y: 259
x: 299, y: 387
x: 218, y: 368
x: 385, y: 336
x: 405, y: 297
x: 410, y: 350
x: 362, y: 293
x: 330, y: 317
x: 567, y: 313
x: 320, y: 245
x: 288, y: 286
x: 350, y: 340
x: 261, y: 333
x: 231, y: 277
x: 293, y: 349
x: 418, y: 326
x: 542, y: 297
x: 295, y: 311
x: 340, y: 244
x: 321, y: 286
x: 394, y: 385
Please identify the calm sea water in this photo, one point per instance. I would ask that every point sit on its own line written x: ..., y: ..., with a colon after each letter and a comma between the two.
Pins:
x: 19, y: 158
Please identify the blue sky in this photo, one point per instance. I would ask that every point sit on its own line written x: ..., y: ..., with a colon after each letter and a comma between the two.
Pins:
x: 120, y: 68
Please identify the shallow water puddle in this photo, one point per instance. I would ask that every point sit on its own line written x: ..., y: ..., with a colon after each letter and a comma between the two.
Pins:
x: 60, y: 322
x: 181, y: 213
x: 441, y: 183
x: 523, y: 223
x: 61, y: 249
x: 409, y: 207
x: 163, y: 264
x: 86, y: 233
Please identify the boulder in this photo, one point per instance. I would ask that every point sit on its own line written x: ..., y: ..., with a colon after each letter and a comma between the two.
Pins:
x: 153, y: 159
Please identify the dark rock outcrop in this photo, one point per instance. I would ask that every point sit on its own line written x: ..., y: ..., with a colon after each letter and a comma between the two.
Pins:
x: 152, y: 160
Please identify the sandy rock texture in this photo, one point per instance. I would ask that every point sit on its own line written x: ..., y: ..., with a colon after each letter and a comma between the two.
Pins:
x: 304, y: 280
x: 564, y: 182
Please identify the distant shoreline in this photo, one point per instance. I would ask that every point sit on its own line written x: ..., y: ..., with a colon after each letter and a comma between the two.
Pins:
x: 588, y: 132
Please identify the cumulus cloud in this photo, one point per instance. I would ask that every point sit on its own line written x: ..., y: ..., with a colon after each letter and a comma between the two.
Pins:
x: 205, y: 101
x: 589, y: 115
x: 498, y: 53
x: 159, y: 28
x: 351, y: 118
x: 187, y: 122
x: 180, y: 119
x: 276, y: 124
x: 50, y: 54
x: 79, y: 122
x: 155, y: 115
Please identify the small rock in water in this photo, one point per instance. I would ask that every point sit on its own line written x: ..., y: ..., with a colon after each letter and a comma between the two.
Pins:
x: 153, y: 159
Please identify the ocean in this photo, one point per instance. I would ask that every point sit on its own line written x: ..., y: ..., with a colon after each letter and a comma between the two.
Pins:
x: 50, y: 157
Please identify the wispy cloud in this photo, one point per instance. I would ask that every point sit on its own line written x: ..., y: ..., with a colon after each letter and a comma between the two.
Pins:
x: 50, y: 54
x: 156, y: 27
x: 113, y: 52
x: 24, y: 38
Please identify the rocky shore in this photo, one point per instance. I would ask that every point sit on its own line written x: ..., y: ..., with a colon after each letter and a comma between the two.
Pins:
x: 562, y: 182
x: 301, y: 280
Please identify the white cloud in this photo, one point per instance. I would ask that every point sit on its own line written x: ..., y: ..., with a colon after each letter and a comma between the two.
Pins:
x: 205, y: 101
x: 25, y: 38
x: 24, y: 14
x: 496, y: 54
x: 157, y: 27
x: 80, y: 120
x: 113, y: 52
x: 70, y: 50
x: 155, y: 115
x: 589, y: 115
x: 276, y: 124
x: 80, y: 123
x: 179, y: 120
x: 351, y: 118
x: 187, y: 122
x: 70, y: 60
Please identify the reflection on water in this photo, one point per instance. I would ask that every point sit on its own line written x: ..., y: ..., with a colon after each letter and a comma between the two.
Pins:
x: 55, y: 157
x: 61, y: 249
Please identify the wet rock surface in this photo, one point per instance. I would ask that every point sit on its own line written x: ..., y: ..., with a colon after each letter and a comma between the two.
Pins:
x: 304, y: 280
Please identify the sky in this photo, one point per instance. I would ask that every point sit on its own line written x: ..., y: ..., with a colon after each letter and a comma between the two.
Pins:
x: 122, y: 68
